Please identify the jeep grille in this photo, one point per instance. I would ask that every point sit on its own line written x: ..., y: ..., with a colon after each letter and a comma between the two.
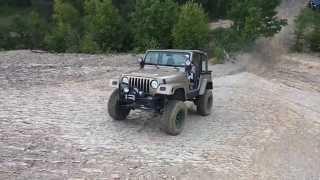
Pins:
x: 143, y: 84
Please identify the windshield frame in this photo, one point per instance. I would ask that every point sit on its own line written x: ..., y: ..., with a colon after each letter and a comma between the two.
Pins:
x: 173, y: 52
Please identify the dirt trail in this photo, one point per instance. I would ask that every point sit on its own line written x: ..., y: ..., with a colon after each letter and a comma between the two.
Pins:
x: 271, y: 58
x: 54, y: 125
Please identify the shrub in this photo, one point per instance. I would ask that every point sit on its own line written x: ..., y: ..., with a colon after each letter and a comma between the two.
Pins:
x: 307, y: 26
x: 103, y: 26
x: 66, y: 34
x: 19, y: 33
x: 65, y: 12
x: 255, y: 18
x: 313, y: 39
x: 192, y: 30
x: 88, y: 45
x: 5, y: 42
x: 215, y: 8
x: 59, y: 40
x: 38, y: 30
x: 23, y: 32
x: 228, y: 39
x: 152, y: 23
x: 219, y: 55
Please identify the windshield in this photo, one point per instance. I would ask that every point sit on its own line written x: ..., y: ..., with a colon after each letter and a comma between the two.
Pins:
x: 166, y: 58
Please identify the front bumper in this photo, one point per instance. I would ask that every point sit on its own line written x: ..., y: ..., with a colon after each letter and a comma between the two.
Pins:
x: 135, y: 100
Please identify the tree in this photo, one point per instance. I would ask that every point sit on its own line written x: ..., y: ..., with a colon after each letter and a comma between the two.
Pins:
x: 191, y: 30
x: 215, y: 8
x: 18, y: 3
x: 66, y: 28
x: 125, y: 7
x: 24, y: 32
x: 37, y: 30
x: 255, y: 18
x: 314, y: 39
x: 307, y: 31
x: 43, y: 7
x: 18, y: 30
x: 152, y: 23
x: 102, y: 26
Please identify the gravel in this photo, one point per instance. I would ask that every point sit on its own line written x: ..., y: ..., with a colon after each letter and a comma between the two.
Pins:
x: 54, y: 125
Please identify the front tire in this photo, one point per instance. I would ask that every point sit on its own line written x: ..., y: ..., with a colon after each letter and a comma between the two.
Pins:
x: 173, y: 118
x: 205, y: 103
x: 114, y: 109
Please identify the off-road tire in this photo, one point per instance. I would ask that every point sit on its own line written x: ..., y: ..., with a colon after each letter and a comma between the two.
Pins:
x: 114, y: 107
x: 205, y: 103
x: 173, y: 117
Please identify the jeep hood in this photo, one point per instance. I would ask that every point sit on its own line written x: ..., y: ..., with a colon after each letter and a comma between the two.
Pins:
x: 155, y: 72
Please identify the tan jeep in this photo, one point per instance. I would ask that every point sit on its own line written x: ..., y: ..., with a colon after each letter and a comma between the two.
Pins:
x: 164, y: 81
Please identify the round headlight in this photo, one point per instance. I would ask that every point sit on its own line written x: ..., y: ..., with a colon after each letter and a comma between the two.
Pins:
x: 154, y: 84
x: 126, y: 90
x: 125, y: 80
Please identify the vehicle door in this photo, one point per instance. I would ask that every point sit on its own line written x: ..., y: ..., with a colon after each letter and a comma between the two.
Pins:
x: 196, y: 69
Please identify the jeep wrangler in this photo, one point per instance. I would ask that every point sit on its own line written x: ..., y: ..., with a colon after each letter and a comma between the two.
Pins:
x: 164, y: 81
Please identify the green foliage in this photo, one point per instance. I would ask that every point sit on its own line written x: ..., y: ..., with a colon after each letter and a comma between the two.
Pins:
x: 63, y: 38
x: 252, y: 19
x: 65, y: 13
x: 215, y: 8
x: 255, y: 18
x: 5, y: 40
x: 88, y: 45
x: 103, y: 25
x: 65, y: 35
x: 313, y: 39
x: 228, y: 39
x: 43, y: 7
x: 23, y: 32
x: 191, y: 30
x: 152, y: 23
x: 97, y: 26
x: 126, y: 7
x: 307, y: 31
x: 219, y: 55
x: 22, y: 26
x: 38, y: 30
x: 19, y: 32
x: 17, y: 3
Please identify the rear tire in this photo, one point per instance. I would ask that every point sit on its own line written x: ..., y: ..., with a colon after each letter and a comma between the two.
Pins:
x: 173, y: 118
x: 205, y: 103
x: 114, y: 109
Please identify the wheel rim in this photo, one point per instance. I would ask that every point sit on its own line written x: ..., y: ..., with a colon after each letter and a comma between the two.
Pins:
x: 180, y: 119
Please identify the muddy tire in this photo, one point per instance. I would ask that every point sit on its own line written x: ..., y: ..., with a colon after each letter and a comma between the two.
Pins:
x: 114, y: 107
x: 173, y: 118
x: 205, y: 103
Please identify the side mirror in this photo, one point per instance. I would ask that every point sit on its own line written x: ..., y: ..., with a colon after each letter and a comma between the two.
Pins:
x: 141, y: 62
x: 188, y: 62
